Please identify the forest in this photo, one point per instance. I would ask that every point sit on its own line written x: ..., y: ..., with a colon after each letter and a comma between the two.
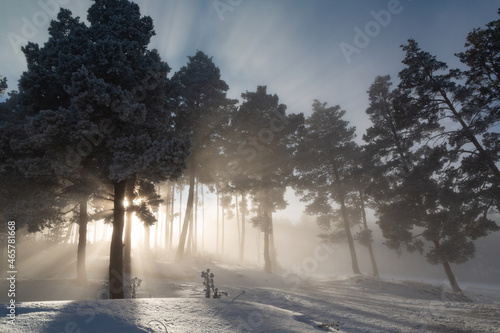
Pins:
x: 99, y: 130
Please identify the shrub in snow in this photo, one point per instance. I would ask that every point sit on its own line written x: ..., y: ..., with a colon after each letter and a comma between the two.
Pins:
x: 134, y: 284
x: 209, y: 285
x: 327, y: 325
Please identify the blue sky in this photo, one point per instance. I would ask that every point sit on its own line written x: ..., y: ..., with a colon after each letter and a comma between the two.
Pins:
x: 292, y: 46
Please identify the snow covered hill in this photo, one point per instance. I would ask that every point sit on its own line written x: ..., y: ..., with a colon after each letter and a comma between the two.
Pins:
x: 257, y: 302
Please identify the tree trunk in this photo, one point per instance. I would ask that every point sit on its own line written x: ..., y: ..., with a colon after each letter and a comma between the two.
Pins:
x: 167, y: 217
x: 370, y: 249
x: 172, y: 213
x: 272, y: 248
x: 116, y: 250
x: 374, y: 263
x: 268, y: 266
x: 238, y: 220
x: 189, y: 246
x: 267, y: 258
x: 189, y: 211
x: 189, y: 242
x: 217, y: 238
x: 181, y: 188
x: 345, y: 218
x: 194, y: 248
x: 222, y: 220
x: 350, y: 241
x: 147, y: 238
x: 259, y: 234
x: 243, y: 211
x: 202, y: 218
x: 451, y: 277
x: 158, y: 224
x: 127, y: 248
x: 81, y: 270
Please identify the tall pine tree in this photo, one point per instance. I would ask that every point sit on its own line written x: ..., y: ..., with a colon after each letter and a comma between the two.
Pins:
x: 200, y: 97
x: 419, y: 196
x: 260, y: 156
x: 325, y: 158
x: 96, y: 102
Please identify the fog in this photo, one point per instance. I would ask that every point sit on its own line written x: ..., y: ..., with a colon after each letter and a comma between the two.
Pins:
x: 46, y: 256
x: 295, y: 107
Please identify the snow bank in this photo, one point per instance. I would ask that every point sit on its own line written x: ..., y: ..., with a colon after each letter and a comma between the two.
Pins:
x: 259, y: 302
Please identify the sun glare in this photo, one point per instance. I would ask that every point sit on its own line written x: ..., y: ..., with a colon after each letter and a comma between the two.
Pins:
x: 140, y: 231
x: 137, y: 231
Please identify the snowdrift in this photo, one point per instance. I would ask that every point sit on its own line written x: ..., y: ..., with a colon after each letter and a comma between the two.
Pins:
x: 259, y: 302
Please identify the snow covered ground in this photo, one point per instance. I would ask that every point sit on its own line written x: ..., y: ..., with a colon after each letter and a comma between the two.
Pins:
x: 171, y: 300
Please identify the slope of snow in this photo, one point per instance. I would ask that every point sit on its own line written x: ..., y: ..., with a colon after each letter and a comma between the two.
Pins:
x: 257, y: 302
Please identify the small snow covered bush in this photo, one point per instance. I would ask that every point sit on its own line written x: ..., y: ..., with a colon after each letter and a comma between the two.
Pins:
x: 331, y: 324
x: 134, y: 284
x: 209, y: 285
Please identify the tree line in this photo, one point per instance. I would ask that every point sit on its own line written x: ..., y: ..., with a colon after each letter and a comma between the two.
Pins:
x: 97, y: 122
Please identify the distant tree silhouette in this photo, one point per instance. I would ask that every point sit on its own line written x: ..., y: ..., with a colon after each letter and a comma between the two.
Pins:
x: 324, y: 160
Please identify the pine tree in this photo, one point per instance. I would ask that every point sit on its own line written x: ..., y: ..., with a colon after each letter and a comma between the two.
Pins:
x: 480, y: 109
x: 3, y: 85
x: 325, y: 158
x: 42, y: 99
x: 200, y: 96
x: 419, y: 197
x: 143, y: 145
x: 482, y: 58
x: 244, y: 212
x: 435, y: 91
x: 361, y: 179
x: 95, y: 98
x: 259, y: 152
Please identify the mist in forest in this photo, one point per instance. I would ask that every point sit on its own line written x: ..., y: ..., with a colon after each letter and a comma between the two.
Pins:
x: 126, y: 152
